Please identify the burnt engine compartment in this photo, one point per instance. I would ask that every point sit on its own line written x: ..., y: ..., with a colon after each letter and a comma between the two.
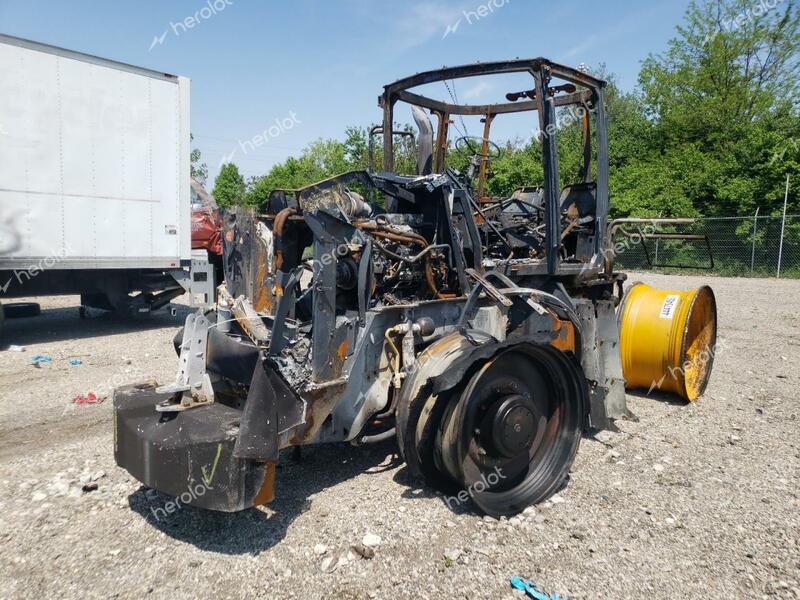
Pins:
x: 419, y: 240
x: 327, y: 261
x: 407, y: 251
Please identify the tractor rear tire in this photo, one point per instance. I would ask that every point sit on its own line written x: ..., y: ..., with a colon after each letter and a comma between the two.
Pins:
x: 506, y: 434
x: 512, y: 429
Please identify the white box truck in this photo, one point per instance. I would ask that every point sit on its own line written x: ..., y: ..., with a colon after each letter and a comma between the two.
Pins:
x: 94, y: 179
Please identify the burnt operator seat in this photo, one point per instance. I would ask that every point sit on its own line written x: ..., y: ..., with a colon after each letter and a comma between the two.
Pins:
x: 526, y: 200
x: 578, y: 210
x: 583, y: 196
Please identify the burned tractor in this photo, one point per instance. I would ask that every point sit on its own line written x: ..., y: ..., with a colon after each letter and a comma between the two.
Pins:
x: 481, y: 333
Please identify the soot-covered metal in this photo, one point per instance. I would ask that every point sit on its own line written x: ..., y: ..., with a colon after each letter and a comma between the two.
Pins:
x: 479, y: 332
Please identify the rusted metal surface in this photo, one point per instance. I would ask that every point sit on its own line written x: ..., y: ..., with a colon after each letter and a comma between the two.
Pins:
x: 440, y: 141
x: 266, y: 492
x: 487, y: 128
x: 278, y: 230
x: 320, y: 401
x: 265, y: 295
x: 247, y: 318
x: 565, y: 336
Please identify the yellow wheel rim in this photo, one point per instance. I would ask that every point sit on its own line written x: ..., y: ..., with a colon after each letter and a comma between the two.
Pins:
x: 668, y: 338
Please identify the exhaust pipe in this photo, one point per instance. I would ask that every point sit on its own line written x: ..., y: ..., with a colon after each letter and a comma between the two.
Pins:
x: 424, y: 141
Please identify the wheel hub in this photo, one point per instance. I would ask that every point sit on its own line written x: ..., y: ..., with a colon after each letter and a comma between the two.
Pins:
x: 512, y: 426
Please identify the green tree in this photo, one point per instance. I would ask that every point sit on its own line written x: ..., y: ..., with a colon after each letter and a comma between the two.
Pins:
x: 519, y: 165
x: 325, y: 158
x: 229, y: 186
x: 729, y: 67
x: 723, y: 99
x: 199, y: 170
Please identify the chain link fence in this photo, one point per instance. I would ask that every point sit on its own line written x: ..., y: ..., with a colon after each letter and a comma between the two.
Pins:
x: 754, y: 246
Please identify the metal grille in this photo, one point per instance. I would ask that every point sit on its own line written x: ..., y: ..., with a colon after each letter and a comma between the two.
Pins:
x: 755, y: 246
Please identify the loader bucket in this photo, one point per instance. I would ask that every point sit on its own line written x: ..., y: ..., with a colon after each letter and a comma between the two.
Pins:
x: 667, y: 339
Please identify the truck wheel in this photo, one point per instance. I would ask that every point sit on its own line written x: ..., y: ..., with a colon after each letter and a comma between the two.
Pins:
x: 22, y: 310
x: 507, y: 434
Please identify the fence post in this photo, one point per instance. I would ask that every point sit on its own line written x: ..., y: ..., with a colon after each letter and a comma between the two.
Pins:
x: 755, y: 229
x: 783, y: 227
x: 655, y: 262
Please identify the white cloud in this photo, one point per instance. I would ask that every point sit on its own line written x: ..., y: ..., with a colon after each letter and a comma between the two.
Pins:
x: 621, y: 27
x: 477, y: 90
x: 585, y: 45
x: 410, y: 26
x: 425, y: 21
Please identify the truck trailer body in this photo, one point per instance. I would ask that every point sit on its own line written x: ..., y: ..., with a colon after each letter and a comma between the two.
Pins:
x: 94, y: 178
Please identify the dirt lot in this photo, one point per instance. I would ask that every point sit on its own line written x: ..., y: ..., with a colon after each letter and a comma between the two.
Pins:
x: 690, y: 501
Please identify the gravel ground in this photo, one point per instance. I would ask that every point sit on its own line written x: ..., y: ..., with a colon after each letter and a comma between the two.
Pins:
x: 695, y: 501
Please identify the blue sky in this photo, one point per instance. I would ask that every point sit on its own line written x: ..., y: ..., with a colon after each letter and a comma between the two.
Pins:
x: 319, y: 66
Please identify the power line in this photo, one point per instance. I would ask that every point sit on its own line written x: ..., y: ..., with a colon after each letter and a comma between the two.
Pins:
x: 454, y: 98
x: 236, y: 150
x: 236, y: 142
x: 461, y: 117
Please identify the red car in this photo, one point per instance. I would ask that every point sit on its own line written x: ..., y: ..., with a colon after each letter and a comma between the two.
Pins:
x: 206, y: 221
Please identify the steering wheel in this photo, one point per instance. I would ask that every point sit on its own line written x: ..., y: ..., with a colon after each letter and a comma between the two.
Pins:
x: 474, y: 145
